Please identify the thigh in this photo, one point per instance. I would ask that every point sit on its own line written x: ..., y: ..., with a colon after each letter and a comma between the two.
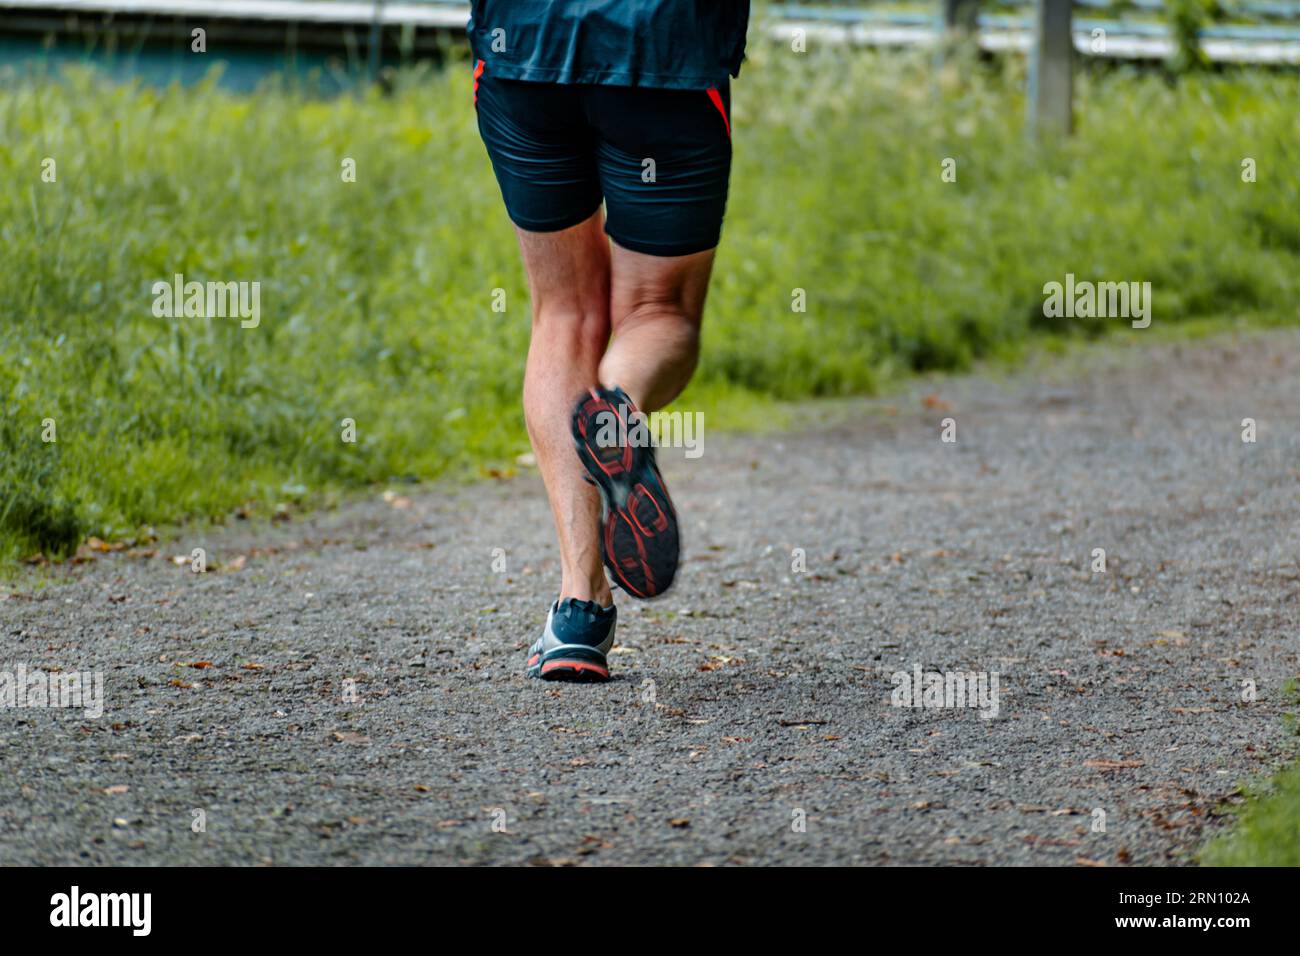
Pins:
x: 664, y: 158
x: 569, y: 272
x: 542, y: 151
x: 647, y: 287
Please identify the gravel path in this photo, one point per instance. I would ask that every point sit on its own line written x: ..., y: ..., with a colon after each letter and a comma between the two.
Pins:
x: 750, y: 720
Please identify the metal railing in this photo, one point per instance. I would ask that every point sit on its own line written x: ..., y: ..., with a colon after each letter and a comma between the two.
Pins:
x: 1151, y: 25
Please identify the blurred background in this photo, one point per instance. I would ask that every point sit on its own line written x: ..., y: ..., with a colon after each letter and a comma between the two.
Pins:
x: 918, y: 171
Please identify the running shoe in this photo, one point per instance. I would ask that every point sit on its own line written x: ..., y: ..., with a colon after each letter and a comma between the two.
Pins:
x: 578, y: 635
x: 639, y: 536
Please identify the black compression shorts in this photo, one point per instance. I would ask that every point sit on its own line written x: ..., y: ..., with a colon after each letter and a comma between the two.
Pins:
x: 659, y: 159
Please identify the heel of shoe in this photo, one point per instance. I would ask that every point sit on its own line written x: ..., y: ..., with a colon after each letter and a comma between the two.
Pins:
x: 572, y: 663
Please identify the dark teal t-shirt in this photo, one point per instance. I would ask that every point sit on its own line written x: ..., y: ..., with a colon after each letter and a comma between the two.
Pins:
x: 671, y: 44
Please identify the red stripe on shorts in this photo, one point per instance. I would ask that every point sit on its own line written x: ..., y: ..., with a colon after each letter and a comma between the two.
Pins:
x: 717, y: 101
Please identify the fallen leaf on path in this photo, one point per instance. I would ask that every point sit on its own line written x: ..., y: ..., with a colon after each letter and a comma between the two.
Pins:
x: 350, y: 737
x: 1034, y: 840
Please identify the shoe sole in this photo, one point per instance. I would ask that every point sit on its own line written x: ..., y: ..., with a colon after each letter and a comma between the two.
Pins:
x: 570, y: 662
x: 639, y: 531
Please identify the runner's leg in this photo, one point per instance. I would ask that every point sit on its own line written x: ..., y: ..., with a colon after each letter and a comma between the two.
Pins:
x: 568, y: 279
x: 656, y: 304
x: 665, y: 161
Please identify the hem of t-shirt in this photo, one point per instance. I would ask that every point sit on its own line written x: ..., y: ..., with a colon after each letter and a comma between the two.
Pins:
x: 665, y: 81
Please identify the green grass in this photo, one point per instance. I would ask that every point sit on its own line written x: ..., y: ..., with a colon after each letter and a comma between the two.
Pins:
x: 1267, y: 831
x: 377, y: 295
